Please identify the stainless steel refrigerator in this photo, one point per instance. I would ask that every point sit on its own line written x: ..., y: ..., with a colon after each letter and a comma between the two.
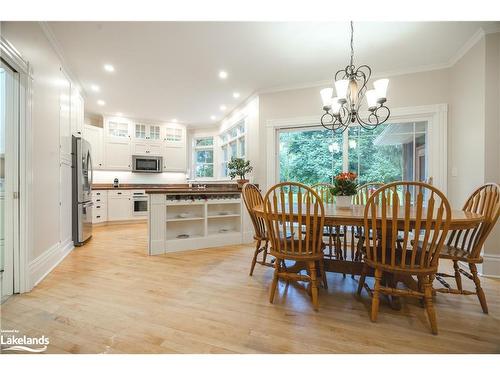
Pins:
x: 82, y: 191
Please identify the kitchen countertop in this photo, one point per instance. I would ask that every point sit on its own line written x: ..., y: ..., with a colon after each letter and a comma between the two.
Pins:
x: 173, y: 188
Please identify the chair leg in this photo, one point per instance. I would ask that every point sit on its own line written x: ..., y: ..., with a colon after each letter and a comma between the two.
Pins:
x: 314, y: 284
x: 376, y: 295
x: 275, y: 280
x: 254, y: 260
x: 458, y: 278
x: 361, y: 282
x: 264, y: 256
x: 323, y: 273
x: 479, y: 290
x: 429, y: 304
x: 330, y: 242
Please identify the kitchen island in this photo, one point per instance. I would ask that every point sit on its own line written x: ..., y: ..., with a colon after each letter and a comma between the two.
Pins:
x: 192, y: 218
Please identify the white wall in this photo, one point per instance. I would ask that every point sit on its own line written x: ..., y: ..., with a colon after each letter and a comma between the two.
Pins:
x: 466, y: 126
x: 492, y: 143
x: 54, y: 115
x: 29, y: 39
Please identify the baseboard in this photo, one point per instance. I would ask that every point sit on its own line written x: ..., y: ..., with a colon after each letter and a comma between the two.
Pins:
x: 491, y: 266
x: 40, y: 267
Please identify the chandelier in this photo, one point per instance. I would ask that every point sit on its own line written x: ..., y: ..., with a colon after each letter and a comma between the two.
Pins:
x: 351, y: 87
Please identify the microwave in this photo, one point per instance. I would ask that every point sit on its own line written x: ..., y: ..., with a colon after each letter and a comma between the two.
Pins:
x: 148, y: 164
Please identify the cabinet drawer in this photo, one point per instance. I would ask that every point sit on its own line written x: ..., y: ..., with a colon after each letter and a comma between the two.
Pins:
x: 98, y: 217
x: 119, y: 193
x: 99, y: 193
x: 99, y: 201
x: 99, y: 206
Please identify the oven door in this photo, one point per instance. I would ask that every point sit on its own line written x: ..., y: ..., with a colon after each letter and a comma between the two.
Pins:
x: 150, y: 164
x: 140, y: 207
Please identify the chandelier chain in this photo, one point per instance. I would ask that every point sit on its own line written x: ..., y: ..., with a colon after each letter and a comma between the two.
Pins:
x: 352, y: 43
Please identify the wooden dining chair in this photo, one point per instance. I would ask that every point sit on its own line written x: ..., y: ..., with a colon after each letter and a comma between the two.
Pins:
x: 295, y: 227
x: 324, y: 190
x: 363, y: 193
x: 465, y: 245
x: 417, y: 210
x: 252, y: 197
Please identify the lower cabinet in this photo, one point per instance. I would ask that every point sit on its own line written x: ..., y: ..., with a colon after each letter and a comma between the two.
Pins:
x: 119, y: 205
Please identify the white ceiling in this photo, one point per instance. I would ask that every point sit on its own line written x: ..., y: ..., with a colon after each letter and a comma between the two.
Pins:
x: 166, y: 70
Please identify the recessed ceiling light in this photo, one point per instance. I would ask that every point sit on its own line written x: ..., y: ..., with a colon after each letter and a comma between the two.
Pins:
x: 174, y: 120
x: 109, y: 68
x: 119, y: 114
x: 236, y: 95
x: 95, y: 88
x: 222, y: 74
x: 222, y: 107
x: 101, y: 102
x: 212, y: 117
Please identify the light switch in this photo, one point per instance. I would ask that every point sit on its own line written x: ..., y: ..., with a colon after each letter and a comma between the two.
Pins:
x: 454, y: 172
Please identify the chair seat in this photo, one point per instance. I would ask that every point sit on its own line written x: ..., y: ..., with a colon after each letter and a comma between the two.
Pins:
x: 295, y: 255
x: 456, y: 253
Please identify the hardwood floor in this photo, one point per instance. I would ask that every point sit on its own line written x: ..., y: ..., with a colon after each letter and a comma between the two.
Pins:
x: 110, y: 297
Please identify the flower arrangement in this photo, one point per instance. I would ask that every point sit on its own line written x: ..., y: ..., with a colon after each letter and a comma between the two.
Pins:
x: 345, y: 184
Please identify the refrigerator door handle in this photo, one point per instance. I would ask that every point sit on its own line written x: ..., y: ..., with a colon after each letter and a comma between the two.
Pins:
x: 90, y: 168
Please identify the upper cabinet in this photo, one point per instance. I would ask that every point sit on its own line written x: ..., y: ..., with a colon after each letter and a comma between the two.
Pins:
x: 93, y: 135
x: 117, y: 128
x: 147, y: 132
x: 175, y: 135
x: 122, y: 138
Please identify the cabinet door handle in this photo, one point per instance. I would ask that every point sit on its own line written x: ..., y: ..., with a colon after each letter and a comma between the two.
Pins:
x: 119, y: 193
x: 98, y: 207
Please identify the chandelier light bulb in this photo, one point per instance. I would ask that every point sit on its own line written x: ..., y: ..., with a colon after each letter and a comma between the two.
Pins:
x: 335, y: 105
x: 326, y: 97
x: 341, y: 88
x: 381, y: 88
x: 371, y: 99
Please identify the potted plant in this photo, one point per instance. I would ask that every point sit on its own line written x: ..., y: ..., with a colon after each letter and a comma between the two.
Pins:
x: 344, y: 187
x: 239, y: 167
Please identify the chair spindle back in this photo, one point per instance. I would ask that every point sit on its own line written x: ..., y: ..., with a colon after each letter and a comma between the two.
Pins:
x: 252, y: 197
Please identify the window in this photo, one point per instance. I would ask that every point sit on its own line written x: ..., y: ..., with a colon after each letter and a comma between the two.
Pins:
x: 309, y: 155
x: 203, y: 157
x: 233, y: 144
x: 391, y: 152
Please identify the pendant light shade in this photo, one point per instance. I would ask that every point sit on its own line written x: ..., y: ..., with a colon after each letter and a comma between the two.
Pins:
x: 326, y: 97
x: 381, y: 88
x: 341, y: 88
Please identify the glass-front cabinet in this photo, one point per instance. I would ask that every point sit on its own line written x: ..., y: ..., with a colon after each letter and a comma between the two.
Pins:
x: 147, y: 132
x: 117, y: 129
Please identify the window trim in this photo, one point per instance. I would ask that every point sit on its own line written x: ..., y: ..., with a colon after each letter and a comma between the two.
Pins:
x: 229, y: 140
x: 435, y: 115
x: 203, y: 148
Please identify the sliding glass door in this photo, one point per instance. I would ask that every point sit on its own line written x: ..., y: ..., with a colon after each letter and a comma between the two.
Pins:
x: 391, y: 152
x: 9, y: 120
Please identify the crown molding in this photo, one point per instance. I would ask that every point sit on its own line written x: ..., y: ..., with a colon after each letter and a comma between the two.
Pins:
x: 471, y: 42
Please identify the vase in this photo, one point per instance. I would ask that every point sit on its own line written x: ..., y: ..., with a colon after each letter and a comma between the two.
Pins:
x: 343, y: 201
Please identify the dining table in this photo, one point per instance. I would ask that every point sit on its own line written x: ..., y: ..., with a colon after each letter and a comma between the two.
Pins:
x: 353, y: 216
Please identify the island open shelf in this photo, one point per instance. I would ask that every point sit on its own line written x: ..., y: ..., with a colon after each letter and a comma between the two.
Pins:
x: 193, y: 222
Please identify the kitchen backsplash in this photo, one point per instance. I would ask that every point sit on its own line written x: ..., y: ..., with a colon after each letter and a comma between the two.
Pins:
x: 107, y: 177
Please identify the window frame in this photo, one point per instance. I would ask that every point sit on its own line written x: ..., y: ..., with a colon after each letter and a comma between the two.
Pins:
x: 225, y: 141
x: 195, y: 163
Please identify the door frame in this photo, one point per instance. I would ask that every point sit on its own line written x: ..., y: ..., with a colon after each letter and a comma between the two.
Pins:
x: 21, y: 266
x: 437, y: 136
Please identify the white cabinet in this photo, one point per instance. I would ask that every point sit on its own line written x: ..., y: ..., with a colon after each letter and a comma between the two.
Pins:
x: 77, y: 112
x: 94, y: 136
x: 117, y: 155
x: 100, y: 209
x: 119, y: 205
x: 117, y: 128
x: 147, y: 132
x: 175, y: 150
x: 147, y: 148
x: 174, y: 159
